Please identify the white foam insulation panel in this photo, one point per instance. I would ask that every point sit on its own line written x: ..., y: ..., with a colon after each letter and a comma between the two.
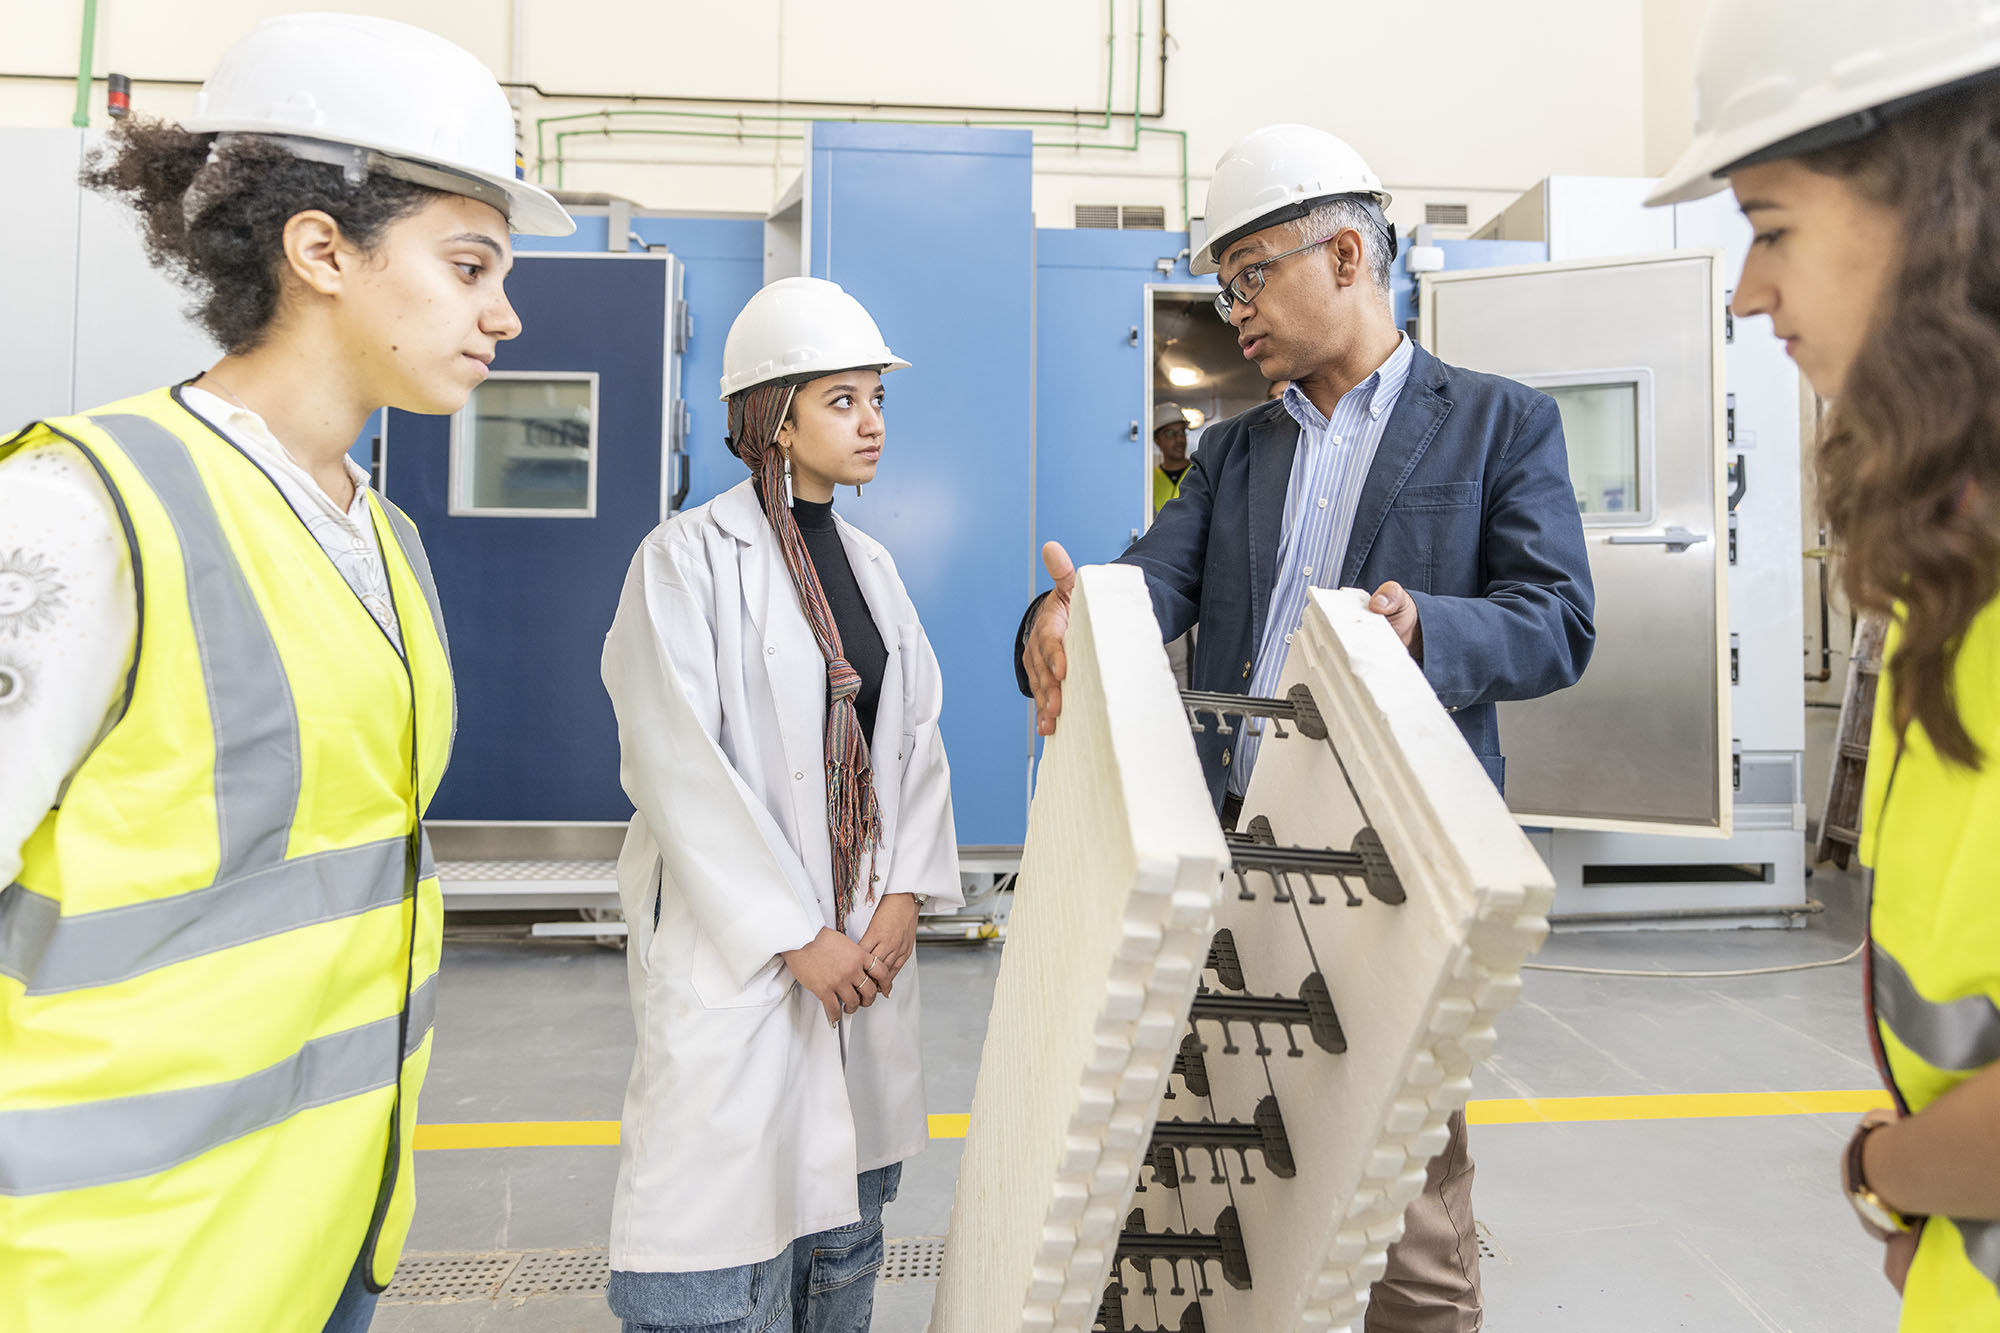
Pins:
x: 1216, y: 1069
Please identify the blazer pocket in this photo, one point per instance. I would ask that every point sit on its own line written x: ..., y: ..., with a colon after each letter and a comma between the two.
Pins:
x: 1441, y: 495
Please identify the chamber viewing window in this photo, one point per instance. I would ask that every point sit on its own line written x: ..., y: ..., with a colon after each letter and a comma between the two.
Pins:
x: 1607, y: 425
x: 525, y: 446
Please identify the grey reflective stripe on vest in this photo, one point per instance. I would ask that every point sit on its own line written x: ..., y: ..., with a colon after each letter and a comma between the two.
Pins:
x: 257, y: 766
x: 423, y: 1013
x: 51, y: 953
x: 125, y: 1138
x: 1982, y: 1247
x: 1958, y: 1035
x: 419, y: 560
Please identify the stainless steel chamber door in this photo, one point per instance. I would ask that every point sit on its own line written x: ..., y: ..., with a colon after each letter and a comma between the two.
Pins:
x: 1631, y: 351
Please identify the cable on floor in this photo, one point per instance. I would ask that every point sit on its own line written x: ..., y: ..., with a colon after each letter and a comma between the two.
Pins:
x: 1848, y: 957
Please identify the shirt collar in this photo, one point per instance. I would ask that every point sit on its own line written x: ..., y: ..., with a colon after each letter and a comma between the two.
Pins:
x: 1378, y: 392
x: 251, y: 431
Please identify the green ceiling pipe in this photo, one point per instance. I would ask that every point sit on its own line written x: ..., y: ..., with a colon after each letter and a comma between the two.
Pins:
x: 83, y: 66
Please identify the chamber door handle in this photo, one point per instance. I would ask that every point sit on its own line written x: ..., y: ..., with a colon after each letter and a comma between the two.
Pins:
x: 1675, y: 538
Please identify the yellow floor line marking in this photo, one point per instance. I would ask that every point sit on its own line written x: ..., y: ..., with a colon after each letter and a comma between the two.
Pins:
x: 1500, y: 1111
x: 1671, y: 1106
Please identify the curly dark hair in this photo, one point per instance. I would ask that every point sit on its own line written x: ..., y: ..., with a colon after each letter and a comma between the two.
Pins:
x: 217, y: 228
x: 1909, y: 462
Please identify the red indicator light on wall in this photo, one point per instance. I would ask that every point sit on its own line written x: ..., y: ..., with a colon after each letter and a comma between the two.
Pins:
x: 118, y: 101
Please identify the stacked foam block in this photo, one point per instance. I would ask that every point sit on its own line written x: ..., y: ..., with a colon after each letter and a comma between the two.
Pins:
x: 1112, y: 915
x: 1110, y: 941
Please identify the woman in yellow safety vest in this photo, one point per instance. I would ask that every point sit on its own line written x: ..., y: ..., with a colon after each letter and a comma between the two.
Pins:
x: 1863, y: 143
x: 225, y: 700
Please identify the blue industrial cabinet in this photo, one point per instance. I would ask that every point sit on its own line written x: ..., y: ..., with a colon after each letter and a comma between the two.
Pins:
x: 932, y: 229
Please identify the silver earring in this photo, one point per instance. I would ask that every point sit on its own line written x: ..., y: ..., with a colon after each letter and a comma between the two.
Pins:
x: 788, y: 480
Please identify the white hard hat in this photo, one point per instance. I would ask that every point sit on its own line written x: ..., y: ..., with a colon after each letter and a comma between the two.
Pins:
x: 1776, y: 78
x: 798, y: 329
x: 372, y: 94
x: 1168, y: 414
x: 1276, y: 174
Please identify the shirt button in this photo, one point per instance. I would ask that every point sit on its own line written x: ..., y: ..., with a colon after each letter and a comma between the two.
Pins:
x: 1336, y: 439
x: 771, y: 652
x: 1309, y: 571
x: 798, y: 777
x: 1288, y: 638
x: 1322, y: 502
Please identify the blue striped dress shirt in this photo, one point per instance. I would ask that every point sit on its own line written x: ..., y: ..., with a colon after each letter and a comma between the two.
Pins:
x: 1328, y: 471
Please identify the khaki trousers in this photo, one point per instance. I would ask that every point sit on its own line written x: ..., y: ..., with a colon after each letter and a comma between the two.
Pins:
x: 1432, y: 1282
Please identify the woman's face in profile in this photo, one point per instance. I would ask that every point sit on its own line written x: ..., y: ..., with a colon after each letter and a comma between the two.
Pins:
x: 1820, y: 260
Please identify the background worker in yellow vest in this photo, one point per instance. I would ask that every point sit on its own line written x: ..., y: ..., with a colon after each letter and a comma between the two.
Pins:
x: 1170, y: 438
x: 226, y: 701
x: 1863, y: 143
x: 1170, y: 441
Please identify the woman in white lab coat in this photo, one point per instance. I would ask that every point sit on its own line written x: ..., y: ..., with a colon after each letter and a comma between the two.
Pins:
x: 778, y: 711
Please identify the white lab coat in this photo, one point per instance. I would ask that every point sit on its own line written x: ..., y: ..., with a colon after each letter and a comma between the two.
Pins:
x: 742, y: 1130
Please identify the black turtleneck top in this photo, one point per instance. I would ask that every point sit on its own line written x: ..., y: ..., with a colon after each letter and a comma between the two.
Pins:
x: 860, y: 639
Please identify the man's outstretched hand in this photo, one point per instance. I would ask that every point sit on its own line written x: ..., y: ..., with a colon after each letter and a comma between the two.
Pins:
x: 1044, y: 657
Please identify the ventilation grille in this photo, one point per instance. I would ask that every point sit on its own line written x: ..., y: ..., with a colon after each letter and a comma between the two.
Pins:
x: 512, y: 1275
x: 913, y: 1259
x: 1447, y: 215
x: 1141, y: 217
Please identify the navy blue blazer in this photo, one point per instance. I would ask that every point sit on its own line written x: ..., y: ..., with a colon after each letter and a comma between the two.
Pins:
x: 1467, y: 504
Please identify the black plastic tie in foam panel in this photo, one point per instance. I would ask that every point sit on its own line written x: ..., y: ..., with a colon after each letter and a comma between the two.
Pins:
x: 1190, y: 1066
x: 1297, y: 707
x: 1325, y: 1021
x: 1312, y: 1008
x: 1224, y: 961
x: 1223, y: 1248
x: 1254, y: 852
x: 1111, y: 1316
x: 1176, y: 1141
x: 1377, y: 871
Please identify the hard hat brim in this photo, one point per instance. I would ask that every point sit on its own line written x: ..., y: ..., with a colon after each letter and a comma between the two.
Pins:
x: 730, y: 390
x: 1703, y: 169
x: 531, y: 210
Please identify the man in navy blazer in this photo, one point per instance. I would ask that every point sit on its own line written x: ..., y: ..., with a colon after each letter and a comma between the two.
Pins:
x: 1445, y: 491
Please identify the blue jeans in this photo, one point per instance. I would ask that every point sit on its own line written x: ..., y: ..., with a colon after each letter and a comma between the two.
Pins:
x: 822, y: 1283
x: 355, y: 1309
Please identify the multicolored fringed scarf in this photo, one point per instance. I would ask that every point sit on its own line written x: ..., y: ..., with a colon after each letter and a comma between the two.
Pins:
x: 853, y: 815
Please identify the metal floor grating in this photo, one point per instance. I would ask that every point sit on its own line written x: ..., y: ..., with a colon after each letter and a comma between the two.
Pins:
x: 559, y: 1273
x: 913, y: 1259
x: 437, y: 1279
x: 428, y: 1279
x: 525, y: 871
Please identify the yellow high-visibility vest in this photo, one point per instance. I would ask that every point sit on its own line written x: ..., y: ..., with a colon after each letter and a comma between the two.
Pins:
x: 1932, y: 836
x: 217, y: 968
x: 1166, y: 488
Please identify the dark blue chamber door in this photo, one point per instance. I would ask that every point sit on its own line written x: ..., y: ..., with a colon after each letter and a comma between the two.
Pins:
x: 531, y: 502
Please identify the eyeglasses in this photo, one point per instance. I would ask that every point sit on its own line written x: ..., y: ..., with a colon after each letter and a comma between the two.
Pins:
x: 1246, y: 285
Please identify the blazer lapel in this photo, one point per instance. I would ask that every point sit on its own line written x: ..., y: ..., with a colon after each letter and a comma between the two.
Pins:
x: 1274, y: 442
x: 1412, y: 425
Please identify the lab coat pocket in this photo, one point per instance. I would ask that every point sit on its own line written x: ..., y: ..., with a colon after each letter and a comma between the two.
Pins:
x: 713, y: 987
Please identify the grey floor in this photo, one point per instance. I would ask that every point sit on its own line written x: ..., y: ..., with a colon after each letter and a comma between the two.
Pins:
x: 1717, y: 1225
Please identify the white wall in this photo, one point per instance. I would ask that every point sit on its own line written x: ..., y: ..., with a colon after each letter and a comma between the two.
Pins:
x: 1458, y: 101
